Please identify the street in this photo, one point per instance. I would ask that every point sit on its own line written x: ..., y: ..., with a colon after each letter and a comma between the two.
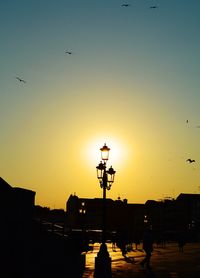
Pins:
x: 166, y: 262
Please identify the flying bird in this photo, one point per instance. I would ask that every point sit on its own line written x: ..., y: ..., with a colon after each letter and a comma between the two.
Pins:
x: 187, y: 121
x: 20, y: 79
x: 190, y: 160
x: 153, y: 7
x: 68, y: 52
x: 125, y: 5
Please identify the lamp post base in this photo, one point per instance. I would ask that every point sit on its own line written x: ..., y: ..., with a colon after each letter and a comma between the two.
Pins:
x: 103, y: 263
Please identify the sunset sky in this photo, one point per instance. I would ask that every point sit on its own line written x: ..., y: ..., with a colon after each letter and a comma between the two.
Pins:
x: 132, y: 82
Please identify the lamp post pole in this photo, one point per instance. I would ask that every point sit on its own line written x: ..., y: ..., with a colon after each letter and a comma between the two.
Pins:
x: 106, y: 178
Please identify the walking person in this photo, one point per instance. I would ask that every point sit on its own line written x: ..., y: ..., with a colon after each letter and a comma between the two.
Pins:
x: 122, y: 241
x: 137, y: 241
x: 181, y: 241
x: 113, y: 239
x: 148, y: 247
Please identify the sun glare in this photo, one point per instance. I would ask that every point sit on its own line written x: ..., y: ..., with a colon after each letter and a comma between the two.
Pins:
x: 116, y: 153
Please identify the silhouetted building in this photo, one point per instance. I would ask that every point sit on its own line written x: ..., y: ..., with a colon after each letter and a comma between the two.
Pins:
x: 119, y: 214
x: 170, y: 217
x: 16, y: 224
x: 167, y: 217
x: 161, y: 216
x: 16, y: 206
x: 188, y: 214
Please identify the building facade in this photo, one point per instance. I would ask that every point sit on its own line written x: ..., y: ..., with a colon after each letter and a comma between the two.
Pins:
x: 167, y: 218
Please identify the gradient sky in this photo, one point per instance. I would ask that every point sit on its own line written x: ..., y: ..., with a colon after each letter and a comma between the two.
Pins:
x: 132, y: 81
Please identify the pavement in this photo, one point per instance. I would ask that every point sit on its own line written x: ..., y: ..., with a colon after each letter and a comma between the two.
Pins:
x: 166, y: 262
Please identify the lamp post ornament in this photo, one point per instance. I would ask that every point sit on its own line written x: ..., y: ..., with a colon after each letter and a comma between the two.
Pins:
x: 106, y: 178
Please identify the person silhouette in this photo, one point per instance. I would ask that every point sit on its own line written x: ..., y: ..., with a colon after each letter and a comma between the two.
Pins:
x: 181, y: 241
x: 147, y: 247
x: 122, y: 241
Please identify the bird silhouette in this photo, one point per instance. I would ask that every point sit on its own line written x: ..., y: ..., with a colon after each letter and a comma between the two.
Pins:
x: 20, y: 79
x: 153, y: 7
x: 125, y: 5
x: 190, y: 160
x: 187, y: 121
x: 68, y: 52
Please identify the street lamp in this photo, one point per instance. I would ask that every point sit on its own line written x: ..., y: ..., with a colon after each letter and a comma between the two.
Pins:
x: 106, y: 178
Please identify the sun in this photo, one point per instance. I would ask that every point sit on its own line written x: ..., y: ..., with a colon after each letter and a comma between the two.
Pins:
x: 116, y: 153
